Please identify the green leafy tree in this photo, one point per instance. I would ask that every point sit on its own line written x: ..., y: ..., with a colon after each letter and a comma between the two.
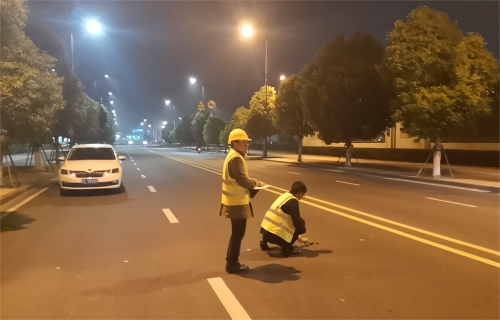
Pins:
x: 187, y: 137
x: 345, y: 97
x: 259, y: 126
x: 87, y: 130
x: 106, y: 132
x: 440, y: 79
x: 198, y: 124
x: 260, y: 105
x: 224, y: 136
x: 178, y: 133
x: 212, y: 130
x: 240, y: 117
x: 72, y: 89
x: 290, y: 112
x: 30, y: 94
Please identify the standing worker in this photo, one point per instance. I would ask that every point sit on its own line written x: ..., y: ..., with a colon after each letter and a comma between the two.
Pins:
x: 236, y: 186
x: 282, y: 223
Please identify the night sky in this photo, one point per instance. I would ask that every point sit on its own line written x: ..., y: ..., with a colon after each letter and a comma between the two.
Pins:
x: 151, y: 48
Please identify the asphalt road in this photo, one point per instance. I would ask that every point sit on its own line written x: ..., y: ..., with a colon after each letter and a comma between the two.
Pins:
x: 383, y: 248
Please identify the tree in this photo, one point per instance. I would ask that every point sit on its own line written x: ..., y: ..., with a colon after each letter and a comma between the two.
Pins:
x: 72, y: 89
x: 88, y: 129
x: 440, y: 80
x: 212, y: 130
x: 261, y: 105
x: 259, y: 126
x: 224, y: 136
x: 30, y: 92
x: 178, y: 133
x: 290, y: 111
x: 345, y: 97
x: 198, y: 124
x: 240, y: 117
x: 106, y: 131
x: 186, y: 132
x: 166, y: 135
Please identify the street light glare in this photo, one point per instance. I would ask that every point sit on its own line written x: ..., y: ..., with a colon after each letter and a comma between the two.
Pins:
x: 114, y: 111
x: 93, y: 27
x: 192, y: 80
x: 110, y: 93
x: 149, y: 125
x: 106, y: 76
x: 164, y: 122
x: 247, y: 31
x: 111, y: 102
x: 282, y: 77
x: 142, y: 123
x: 163, y: 127
x: 167, y: 102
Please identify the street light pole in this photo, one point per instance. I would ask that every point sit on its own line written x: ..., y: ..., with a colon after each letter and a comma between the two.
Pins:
x: 264, y: 149
x: 72, y: 48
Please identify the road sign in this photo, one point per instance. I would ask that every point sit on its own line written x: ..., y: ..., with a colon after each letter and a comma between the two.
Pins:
x: 201, y: 106
x: 211, y: 104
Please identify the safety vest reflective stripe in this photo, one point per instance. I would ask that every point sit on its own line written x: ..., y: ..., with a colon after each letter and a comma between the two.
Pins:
x: 278, y: 222
x: 232, y: 193
x: 279, y: 225
x: 235, y: 194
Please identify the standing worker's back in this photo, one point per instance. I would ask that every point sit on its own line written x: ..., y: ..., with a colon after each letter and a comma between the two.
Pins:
x: 236, y: 196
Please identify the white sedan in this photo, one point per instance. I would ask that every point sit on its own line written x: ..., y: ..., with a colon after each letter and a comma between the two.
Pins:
x: 90, y: 166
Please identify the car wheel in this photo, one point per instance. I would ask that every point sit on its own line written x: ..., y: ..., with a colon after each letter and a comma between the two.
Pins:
x: 63, y: 192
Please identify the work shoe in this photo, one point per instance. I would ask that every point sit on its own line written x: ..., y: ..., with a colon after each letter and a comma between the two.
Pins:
x: 286, y: 252
x: 236, y: 268
x: 263, y: 246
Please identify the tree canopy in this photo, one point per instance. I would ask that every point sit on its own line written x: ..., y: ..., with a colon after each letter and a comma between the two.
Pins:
x: 212, y: 130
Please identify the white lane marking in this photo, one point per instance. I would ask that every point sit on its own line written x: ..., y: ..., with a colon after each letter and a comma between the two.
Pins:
x: 138, y: 169
x: 229, y: 301
x: 259, y: 166
x: 434, y: 184
x: 135, y: 164
x: 294, y: 172
x: 170, y: 216
x: 22, y: 203
x: 151, y: 189
x: 354, y: 184
x: 143, y: 176
x: 461, y: 204
x: 333, y: 170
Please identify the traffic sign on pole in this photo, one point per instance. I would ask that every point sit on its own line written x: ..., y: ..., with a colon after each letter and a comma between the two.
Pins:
x: 201, y: 106
x: 211, y: 104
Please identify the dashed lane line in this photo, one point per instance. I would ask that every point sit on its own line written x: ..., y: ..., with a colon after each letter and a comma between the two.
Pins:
x: 460, y: 204
x: 151, y: 188
x: 170, y: 216
x: 229, y: 301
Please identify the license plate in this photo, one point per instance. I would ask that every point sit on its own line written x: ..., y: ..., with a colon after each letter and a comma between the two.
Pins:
x: 89, y: 181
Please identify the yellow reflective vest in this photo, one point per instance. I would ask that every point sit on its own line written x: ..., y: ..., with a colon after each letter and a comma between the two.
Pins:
x: 278, y: 222
x: 232, y: 193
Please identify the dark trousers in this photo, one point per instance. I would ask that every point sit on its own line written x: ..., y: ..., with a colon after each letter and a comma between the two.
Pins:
x: 269, y: 237
x: 238, y: 227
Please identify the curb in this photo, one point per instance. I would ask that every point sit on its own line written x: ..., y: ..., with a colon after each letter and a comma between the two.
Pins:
x: 382, y: 173
x: 40, y: 183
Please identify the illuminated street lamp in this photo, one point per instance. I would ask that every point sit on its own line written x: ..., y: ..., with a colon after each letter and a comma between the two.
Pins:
x: 163, y: 127
x: 165, y: 123
x: 93, y: 27
x: 193, y: 81
x: 106, y: 76
x: 145, y: 120
x: 167, y: 102
x: 282, y: 77
x: 114, y: 111
x: 142, y: 123
x: 112, y: 102
x: 149, y: 125
x: 247, y: 31
x: 110, y: 93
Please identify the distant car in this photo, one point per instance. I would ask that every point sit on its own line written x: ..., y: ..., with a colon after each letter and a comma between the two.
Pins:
x: 90, y: 166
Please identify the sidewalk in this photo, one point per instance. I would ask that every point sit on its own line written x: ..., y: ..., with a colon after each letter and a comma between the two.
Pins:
x: 28, y: 180
x: 485, y: 177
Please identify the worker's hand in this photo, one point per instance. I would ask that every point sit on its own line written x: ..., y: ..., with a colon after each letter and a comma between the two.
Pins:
x: 258, y: 183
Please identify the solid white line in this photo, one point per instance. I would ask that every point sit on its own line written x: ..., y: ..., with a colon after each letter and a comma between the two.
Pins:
x: 139, y: 169
x: 333, y: 170
x: 293, y: 172
x: 22, y: 203
x: 143, y: 176
x: 434, y: 184
x: 170, y: 216
x: 229, y: 301
x: 151, y: 189
x: 354, y: 184
x: 461, y: 204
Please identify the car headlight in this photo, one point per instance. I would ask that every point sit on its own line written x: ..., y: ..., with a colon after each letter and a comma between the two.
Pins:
x: 116, y: 170
x: 64, y: 171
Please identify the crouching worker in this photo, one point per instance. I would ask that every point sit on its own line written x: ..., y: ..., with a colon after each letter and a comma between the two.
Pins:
x: 282, y: 223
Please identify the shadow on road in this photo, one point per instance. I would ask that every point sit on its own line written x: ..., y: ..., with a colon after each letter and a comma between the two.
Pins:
x: 306, y: 253
x: 152, y: 284
x: 82, y: 198
x: 15, y: 221
x: 272, y: 273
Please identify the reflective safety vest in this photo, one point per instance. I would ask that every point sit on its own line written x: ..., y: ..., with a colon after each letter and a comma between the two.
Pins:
x: 232, y: 193
x: 278, y: 222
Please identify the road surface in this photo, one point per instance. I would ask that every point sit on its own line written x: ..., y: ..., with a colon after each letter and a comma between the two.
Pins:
x: 382, y: 248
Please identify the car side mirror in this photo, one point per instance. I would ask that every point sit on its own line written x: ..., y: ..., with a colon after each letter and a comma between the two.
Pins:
x: 61, y: 158
x: 121, y: 158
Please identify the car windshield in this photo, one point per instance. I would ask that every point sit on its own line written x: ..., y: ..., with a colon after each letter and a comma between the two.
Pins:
x: 92, y: 154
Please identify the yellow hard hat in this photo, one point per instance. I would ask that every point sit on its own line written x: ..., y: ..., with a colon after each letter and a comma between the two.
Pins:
x: 238, y: 134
